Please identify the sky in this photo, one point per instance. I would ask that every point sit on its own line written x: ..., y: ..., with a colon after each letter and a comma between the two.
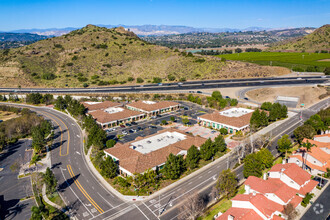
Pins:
x: 26, y: 14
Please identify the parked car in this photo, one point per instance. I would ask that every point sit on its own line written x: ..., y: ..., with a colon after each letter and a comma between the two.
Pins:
x: 246, y: 98
x: 134, y: 130
x: 152, y: 127
x: 213, y: 131
x: 134, y: 123
x: 128, y: 124
x: 139, y: 128
x: 159, y: 116
x: 131, y: 131
x: 122, y: 126
x: 199, y: 92
x: 153, y: 117
x: 124, y: 132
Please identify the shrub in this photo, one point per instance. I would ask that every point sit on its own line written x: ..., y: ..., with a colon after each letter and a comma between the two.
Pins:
x: 223, y: 131
x: 74, y: 58
x: 69, y: 64
x: 82, y: 79
x: 85, y: 85
x: 182, y: 79
x: 48, y: 76
x: 171, y: 77
x: 139, y: 80
x: 130, y: 79
x: 157, y: 80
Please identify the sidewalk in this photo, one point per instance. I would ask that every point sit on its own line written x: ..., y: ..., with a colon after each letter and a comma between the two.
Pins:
x: 302, y: 210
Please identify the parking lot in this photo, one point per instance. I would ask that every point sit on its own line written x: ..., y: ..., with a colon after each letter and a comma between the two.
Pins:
x: 151, y: 126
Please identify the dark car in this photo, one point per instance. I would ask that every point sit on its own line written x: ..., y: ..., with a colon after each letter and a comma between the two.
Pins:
x: 134, y: 123
x: 227, y: 97
x: 123, y: 126
x: 128, y: 124
x: 246, y: 98
x: 139, y: 128
x: 159, y: 116
x: 199, y: 92
x: 152, y: 127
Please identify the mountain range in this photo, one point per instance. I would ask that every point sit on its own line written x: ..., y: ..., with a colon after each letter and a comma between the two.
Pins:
x: 144, y: 30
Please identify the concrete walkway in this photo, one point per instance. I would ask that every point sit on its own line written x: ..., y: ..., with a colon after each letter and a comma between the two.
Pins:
x: 45, y: 198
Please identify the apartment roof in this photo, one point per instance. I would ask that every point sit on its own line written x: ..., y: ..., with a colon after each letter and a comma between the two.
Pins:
x: 105, y: 117
x: 312, y: 166
x: 237, y: 122
x: 137, y: 162
x: 308, y: 187
x: 264, y: 205
x: 322, y: 138
x: 293, y: 171
x: 276, y: 186
x: 92, y: 106
x: 240, y: 213
x: 152, y: 106
x: 318, y: 152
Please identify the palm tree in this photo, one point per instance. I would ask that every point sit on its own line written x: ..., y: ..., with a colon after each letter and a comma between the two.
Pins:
x: 308, y: 146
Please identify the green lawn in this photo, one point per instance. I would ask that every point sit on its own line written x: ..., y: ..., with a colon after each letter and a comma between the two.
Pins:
x: 289, y: 60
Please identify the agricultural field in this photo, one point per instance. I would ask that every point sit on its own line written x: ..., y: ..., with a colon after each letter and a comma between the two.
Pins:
x: 296, y: 61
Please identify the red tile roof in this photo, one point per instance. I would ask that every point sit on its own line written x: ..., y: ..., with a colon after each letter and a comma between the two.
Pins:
x: 237, y: 122
x: 293, y: 171
x: 312, y: 166
x: 296, y: 200
x: 136, y: 162
x: 276, y: 186
x: 105, y: 117
x: 101, y: 105
x: 152, y: 107
x: 264, y: 205
x: 308, y: 187
x: 240, y: 213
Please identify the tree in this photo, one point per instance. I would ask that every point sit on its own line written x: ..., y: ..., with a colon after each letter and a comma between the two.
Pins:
x: 60, y: 103
x: 266, y: 106
x: 174, y: 166
x: 193, y: 157
x: 207, y: 150
x: 252, y: 166
x: 110, y: 143
x: 36, y: 214
x: 275, y: 112
x: 192, y: 207
x: 38, y: 139
x: 171, y: 77
x: 185, y: 121
x: 223, y: 131
x: 308, y: 146
x: 266, y: 158
x: 216, y: 95
x: 284, y: 144
x: 35, y: 159
x: 238, y: 50
x: 157, y: 80
x: 164, y: 122
x: 172, y: 118
x: 219, y: 144
x: 227, y: 183
x: 255, y: 120
x: 263, y: 119
x: 327, y: 71
x: 50, y: 180
x: 316, y: 122
x: 290, y: 211
x: 304, y: 131
x: 109, y: 168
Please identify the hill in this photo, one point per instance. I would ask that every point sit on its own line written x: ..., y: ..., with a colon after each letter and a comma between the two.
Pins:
x: 318, y: 40
x: 100, y: 56
x: 11, y: 40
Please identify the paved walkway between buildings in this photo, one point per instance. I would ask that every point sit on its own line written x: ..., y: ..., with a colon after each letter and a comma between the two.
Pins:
x: 302, y: 210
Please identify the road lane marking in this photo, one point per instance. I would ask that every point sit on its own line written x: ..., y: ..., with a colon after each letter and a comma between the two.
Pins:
x: 141, y: 212
x: 68, y: 145
x: 75, y: 193
x: 83, y: 190
x: 150, y: 210
x: 105, y: 199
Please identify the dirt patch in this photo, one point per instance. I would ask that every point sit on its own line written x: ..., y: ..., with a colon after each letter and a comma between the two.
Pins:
x: 4, y: 116
x: 324, y: 60
x: 308, y: 95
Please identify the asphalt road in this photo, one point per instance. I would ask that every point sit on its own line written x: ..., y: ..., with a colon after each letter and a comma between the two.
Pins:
x: 13, y: 189
x: 320, y: 210
x: 190, y: 85
x: 88, y: 199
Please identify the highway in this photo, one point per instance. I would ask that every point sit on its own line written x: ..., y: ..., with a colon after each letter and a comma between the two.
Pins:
x: 88, y: 199
x: 190, y: 85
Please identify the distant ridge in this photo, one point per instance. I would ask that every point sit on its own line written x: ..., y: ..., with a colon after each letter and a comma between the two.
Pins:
x: 318, y: 40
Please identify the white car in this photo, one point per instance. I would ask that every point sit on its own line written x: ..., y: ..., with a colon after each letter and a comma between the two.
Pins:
x: 124, y: 132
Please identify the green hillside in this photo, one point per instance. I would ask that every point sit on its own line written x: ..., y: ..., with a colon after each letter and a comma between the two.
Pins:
x: 96, y: 56
x: 317, y: 41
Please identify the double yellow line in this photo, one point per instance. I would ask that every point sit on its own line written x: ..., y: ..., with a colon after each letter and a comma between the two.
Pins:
x: 83, y: 190
x: 67, y: 150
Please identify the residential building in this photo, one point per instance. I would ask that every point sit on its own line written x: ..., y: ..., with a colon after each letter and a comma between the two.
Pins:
x: 152, y: 151
x: 317, y: 159
x: 151, y: 108
x: 114, y: 116
x: 232, y: 119
x: 266, y: 198
x: 93, y: 106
